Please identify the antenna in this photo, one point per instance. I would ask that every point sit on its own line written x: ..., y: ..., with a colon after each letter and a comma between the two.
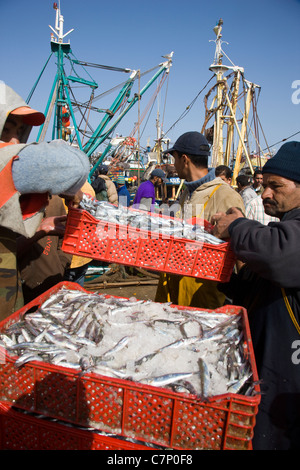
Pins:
x: 59, y: 27
x: 217, y: 66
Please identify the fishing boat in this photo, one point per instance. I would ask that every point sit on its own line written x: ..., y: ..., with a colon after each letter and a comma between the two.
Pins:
x: 73, y: 109
x: 231, y: 123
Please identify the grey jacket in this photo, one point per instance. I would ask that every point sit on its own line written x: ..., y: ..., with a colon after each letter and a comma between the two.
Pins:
x: 53, y: 167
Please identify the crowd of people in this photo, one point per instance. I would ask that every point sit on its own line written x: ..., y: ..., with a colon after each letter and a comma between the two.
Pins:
x: 261, y: 219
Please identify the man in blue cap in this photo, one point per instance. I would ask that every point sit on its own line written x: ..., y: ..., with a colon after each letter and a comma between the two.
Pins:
x: 268, y: 286
x: 145, y: 195
x: 203, y: 196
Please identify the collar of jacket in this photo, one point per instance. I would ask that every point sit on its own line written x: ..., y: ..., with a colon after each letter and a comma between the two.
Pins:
x: 292, y: 214
x: 192, y: 185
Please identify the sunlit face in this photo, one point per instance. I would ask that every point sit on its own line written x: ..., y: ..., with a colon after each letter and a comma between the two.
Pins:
x: 257, y: 180
x: 157, y: 181
x: 179, y: 163
x: 280, y: 195
x: 13, y: 129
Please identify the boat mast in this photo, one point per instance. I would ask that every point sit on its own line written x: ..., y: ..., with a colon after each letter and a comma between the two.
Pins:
x: 218, y: 69
x: 224, y: 108
x: 63, y: 106
x: 60, y: 48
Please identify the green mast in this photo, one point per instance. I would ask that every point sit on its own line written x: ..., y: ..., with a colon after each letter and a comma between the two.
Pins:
x: 62, y: 104
x: 59, y: 98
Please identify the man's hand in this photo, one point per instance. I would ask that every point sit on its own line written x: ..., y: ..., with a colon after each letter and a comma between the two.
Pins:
x: 73, y: 201
x: 222, y: 220
x: 49, y: 226
x: 53, y: 225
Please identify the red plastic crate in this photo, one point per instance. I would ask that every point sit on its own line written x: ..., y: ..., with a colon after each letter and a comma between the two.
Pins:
x: 129, y: 409
x: 20, y: 431
x: 115, y: 243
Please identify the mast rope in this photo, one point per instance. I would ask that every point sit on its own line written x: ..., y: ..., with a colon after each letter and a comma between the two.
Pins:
x: 282, y: 140
x: 189, y: 107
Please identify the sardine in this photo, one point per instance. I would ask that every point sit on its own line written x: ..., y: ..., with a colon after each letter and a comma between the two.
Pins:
x: 167, y: 227
x: 166, y: 379
x: 120, y: 345
x: 204, y: 377
x: 28, y: 357
x: 134, y: 340
x: 236, y: 385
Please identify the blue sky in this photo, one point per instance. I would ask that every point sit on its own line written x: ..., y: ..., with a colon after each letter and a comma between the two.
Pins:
x: 262, y: 36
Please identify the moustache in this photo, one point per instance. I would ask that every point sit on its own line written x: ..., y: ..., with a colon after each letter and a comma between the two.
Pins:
x: 270, y: 202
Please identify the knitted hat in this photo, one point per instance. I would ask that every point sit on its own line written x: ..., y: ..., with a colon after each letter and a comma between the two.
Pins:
x: 121, y: 180
x: 286, y: 162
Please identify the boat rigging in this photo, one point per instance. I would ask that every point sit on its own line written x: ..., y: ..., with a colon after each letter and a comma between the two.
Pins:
x: 230, y: 107
x: 63, y: 102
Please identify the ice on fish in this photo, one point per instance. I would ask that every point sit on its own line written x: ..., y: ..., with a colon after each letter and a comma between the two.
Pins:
x: 103, y: 210
x: 191, y: 351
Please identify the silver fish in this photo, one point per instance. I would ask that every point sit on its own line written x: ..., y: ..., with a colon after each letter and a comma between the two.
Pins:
x: 166, y: 379
x: 28, y: 357
x: 82, y: 331
x: 120, y: 345
x: 140, y: 219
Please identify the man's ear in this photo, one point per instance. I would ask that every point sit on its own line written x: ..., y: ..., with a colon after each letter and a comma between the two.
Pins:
x: 186, y: 158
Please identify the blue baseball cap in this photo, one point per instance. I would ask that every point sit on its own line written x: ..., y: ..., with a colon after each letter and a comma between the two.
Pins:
x: 191, y: 143
x: 160, y: 173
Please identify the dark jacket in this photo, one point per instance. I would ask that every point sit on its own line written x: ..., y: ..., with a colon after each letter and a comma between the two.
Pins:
x: 44, y: 263
x: 272, y: 258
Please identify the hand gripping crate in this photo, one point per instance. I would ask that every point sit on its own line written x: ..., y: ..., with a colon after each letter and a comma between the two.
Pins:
x: 115, y: 243
x: 129, y: 409
x: 22, y: 431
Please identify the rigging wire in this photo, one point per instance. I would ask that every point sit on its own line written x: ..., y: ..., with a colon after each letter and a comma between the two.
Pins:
x: 282, y: 140
x: 165, y: 103
x: 101, y: 95
x: 36, y: 83
x: 74, y: 61
x: 189, y: 107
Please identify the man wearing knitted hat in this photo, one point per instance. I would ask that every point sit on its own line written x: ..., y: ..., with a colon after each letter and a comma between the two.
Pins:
x: 268, y: 286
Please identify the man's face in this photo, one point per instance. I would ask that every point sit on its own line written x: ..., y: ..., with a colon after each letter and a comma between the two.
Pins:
x: 179, y: 165
x: 13, y: 129
x: 280, y: 195
x: 257, y: 180
x: 157, y: 181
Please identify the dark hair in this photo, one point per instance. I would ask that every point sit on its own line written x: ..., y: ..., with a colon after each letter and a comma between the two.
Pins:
x: 98, y: 185
x: 200, y: 161
x: 102, y: 170
x: 258, y: 172
x: 244, y: 180
x: 223, y: 170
